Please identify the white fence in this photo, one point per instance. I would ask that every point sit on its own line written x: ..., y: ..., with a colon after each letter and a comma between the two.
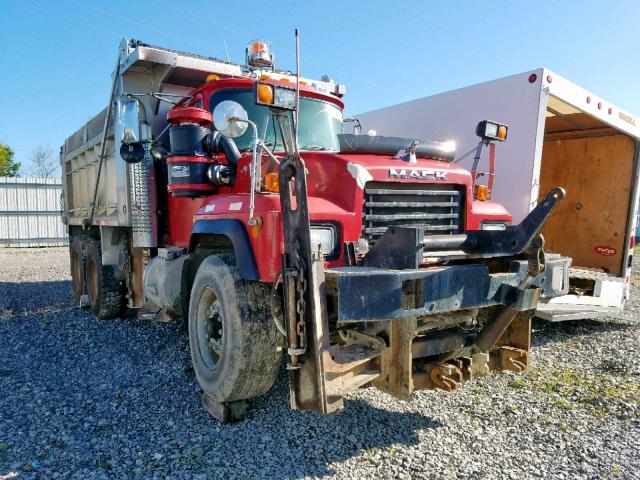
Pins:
x: 30, y: 212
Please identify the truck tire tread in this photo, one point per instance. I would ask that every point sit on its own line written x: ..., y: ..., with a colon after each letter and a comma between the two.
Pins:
x: 110, y: 299
x: 253, y: 344
x: 77, y: 245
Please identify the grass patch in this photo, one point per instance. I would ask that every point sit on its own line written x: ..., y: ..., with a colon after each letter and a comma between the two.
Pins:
x: 518, y: 382
x: 602, y: 395
x: 616, y: 469
x: 563, y: 404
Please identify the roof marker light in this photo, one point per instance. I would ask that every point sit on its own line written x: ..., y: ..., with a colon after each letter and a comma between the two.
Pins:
x: 599, y: 105
x: 549, y: 78
x: 588, y: 99
x: 610, y: 110
x: 533, y: 77
x: 259, y: 53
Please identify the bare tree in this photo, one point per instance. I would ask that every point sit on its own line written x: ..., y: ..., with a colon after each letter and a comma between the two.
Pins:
x: 43, y: 163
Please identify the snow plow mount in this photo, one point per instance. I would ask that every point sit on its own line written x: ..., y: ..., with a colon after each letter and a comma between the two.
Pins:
x: 410, y: 247
x: 377, y: 335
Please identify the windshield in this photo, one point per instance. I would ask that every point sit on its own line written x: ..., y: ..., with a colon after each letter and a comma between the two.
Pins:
x: 320, y: 122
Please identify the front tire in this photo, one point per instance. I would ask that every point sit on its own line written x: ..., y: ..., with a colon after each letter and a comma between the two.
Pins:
x: 233, y: 340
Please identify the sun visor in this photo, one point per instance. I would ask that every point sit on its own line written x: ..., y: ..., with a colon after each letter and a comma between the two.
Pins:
x: 375, y: 144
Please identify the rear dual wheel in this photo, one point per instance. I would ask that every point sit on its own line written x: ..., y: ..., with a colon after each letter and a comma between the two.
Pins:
x: 105, y: 290
x: 99, y: 282
x: 77, y: 264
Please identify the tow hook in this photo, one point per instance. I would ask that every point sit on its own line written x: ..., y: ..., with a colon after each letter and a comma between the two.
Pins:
x: 512, y: 359
x: 445, y: 376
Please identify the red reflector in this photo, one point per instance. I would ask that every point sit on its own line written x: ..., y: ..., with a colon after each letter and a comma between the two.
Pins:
x: 549, y: 78
x: 533, y: 77
x: 632, y: 241
x: 588, y: 99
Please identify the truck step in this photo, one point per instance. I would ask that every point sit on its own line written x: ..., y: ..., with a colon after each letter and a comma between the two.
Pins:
x: 588, y: 273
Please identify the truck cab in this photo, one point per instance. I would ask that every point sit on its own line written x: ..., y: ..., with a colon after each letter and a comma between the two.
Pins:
x: 341, y: 211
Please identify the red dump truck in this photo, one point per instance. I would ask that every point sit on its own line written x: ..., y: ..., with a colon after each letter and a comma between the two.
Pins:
x: 229, y: 195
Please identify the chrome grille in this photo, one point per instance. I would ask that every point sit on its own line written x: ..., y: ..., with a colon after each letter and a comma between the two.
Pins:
x: 435, y: 207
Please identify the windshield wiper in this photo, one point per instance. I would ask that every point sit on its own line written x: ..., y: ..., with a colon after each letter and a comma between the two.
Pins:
x: 313, y: 147
x: 248, y: 149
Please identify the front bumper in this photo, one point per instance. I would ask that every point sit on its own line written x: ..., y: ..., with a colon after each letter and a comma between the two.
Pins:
x: 390, y: 284
x: 367, y: 293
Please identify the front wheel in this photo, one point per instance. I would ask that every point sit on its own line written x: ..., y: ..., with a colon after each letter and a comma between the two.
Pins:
x: 233, y: 340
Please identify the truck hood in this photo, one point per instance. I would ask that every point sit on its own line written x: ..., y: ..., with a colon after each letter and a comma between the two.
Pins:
x: 336, y: 183
x: 336, y: 175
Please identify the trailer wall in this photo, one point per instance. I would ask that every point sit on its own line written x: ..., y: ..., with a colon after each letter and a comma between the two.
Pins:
x: 454, y: 115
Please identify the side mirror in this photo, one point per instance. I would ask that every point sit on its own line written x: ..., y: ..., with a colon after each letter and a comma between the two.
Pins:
x: 132, y: 152
x: 230, y: 119
x: 128, y: 110
x: 131, y: 149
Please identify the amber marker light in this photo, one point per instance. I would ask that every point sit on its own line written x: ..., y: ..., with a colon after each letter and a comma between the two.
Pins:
x: 265, y: 93
x: 491, y: 131
x: 502, y: 132
x: 271, y: 182
x: 255, y: 229
x: 482, y: 193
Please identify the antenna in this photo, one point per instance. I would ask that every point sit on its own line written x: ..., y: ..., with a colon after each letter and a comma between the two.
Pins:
x: 226, y: 49
x: 297, y: 87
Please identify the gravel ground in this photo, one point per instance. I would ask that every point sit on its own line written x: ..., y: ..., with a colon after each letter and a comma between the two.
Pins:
x: 82, y: 398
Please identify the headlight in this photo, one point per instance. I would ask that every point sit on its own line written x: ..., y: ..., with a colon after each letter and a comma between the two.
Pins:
x: 493, y: 226
x: 285, y: 98
x: 327, y: 237
x: 488, y: 131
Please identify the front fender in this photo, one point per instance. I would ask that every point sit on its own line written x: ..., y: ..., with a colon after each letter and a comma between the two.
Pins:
x: 235, y: 231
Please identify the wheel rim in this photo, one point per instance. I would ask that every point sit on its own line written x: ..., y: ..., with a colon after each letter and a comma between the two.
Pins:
x: 209, y: 328
x: 92, y: 280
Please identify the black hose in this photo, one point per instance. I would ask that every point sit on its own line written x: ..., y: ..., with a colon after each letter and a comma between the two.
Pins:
x: 230, y: 149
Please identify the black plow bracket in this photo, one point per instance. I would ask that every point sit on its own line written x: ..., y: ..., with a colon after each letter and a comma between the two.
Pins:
x: 405, y: 247
x: 303, y: 289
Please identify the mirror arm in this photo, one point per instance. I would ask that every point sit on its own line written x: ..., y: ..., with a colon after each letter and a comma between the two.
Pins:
x: 252, y: 167
x: 264, y: 148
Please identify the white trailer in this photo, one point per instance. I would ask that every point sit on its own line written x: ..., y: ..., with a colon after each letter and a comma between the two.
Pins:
x: 559, y: 135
